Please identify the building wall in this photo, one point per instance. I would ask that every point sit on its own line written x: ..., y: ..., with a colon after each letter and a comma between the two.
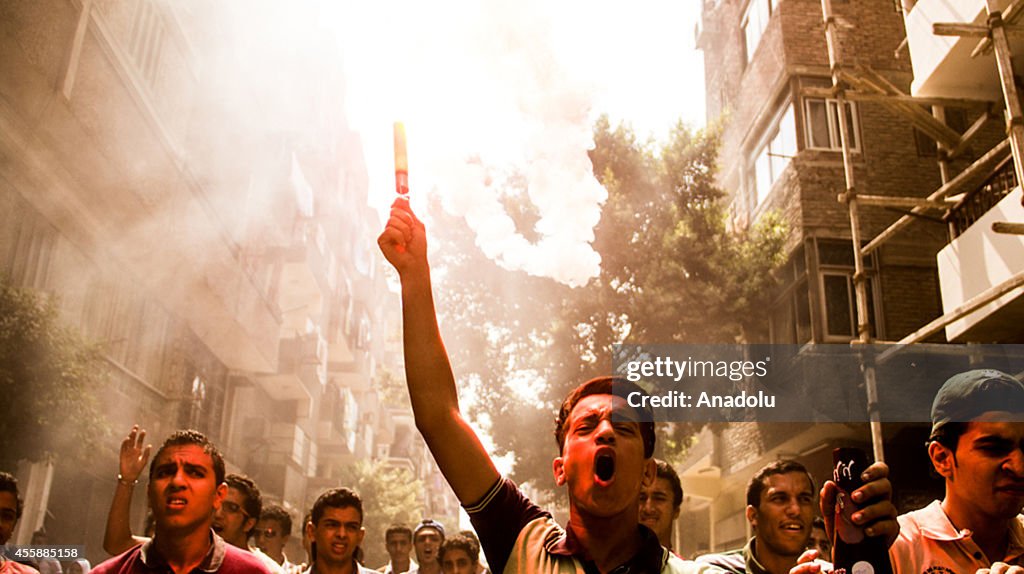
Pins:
x: 147, y: 180
x: 750, y: 98
x: 750, y: 101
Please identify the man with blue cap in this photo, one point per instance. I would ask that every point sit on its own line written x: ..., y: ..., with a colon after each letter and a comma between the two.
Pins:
x: 977, y: 446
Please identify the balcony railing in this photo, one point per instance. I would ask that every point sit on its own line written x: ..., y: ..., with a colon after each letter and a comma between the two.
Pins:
x: 978, y: 201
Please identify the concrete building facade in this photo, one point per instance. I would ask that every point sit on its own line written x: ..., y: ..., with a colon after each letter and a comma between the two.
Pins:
x: 193, y: 195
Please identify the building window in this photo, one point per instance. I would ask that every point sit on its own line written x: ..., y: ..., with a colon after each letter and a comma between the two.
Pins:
x: 821, y: 124
x: 839, y: 305
x: 192, y: 413
x: 201, y: 400
x: 774, y: 155
x: 30, y: 243
x: 755, y: 20
x: 147, y: 40
x: 838, y: 295
x: 790, y: 321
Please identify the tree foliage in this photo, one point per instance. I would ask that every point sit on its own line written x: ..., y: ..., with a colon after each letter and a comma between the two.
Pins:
x: 390, y: 495
x: 49, y: 378
x: 671, y: 272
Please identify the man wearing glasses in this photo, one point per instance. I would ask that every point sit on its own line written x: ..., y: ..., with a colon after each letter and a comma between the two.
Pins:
x: 272, y: 533
x: 235, y: 520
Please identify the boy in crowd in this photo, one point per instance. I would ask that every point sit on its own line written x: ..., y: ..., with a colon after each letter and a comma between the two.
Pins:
x: 186, y: 487
x: 977, y: 446
x: 273, y: 530
x: 335, y: 530
x: 660, y: 503
x: 459, y: 555
x: 398, y: 543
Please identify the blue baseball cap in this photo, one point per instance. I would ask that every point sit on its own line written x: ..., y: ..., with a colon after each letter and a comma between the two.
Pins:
x: 966, y: 396
x: 429, y: 523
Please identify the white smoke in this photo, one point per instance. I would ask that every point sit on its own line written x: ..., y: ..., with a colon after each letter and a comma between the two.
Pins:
x: 486, y: 89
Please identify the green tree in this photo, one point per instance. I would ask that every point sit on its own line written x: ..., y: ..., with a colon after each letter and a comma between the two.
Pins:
x: 49, y: 378
x: 390, y: 495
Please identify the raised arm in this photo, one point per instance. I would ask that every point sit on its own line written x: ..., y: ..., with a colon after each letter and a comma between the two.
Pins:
x: 133, y: 457
x: 435, y: 403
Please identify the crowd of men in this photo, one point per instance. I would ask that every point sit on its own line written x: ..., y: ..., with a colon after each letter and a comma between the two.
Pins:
x: 204, y: 520
x: 606, y: 464
x: 623, y: 503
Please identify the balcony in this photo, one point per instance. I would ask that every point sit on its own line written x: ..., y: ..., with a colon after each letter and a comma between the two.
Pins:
x: 337, y: 423
x: 980, y: 201
x: 303, y: 266
x: 943, y: 66
x: 282, y: 466
x: 301, y: 371
x: 979, y: 259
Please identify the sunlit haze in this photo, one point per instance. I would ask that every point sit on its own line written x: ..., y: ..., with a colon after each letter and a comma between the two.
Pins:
x: 489, y: 89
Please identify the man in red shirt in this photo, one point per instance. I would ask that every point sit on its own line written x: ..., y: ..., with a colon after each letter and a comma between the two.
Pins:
x: 186, y: 487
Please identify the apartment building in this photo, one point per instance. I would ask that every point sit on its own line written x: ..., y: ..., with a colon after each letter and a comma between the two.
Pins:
x: 195, y: 198
x: 980, y: 265
x: 770, y: 67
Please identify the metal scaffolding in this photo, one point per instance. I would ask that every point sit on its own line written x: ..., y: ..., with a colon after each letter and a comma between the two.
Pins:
x: 864, y: 84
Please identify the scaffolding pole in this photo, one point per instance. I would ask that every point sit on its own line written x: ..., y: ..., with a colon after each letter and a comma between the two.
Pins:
x: 859, y: 277
x: 991, y: 157
x: 973, y: 304
x: 869, y: 85
x: 1015, y: 117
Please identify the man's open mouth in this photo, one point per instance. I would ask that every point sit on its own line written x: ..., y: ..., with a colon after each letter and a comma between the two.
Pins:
x: 604, y: 467
x: 793, y: 527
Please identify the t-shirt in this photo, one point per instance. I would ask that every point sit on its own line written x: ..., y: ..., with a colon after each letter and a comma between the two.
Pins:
x: 744, y: 561
x: 518, y: 537
x: 388, y: 569
x: 929, y: 543
x: 146, y: 559
x: 267, y: 561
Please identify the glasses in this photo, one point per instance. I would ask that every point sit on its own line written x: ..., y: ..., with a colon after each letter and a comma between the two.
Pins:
x: 234, y: 508
x: 266, y: 533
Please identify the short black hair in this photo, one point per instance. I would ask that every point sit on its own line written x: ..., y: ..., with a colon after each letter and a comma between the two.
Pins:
x: 278, y: 513
x: 460, y: 542
x: 603, y: 386
x: 666, y: 471
x: 757, y: 482
x: 336, y: 498
x: 192, y: 437
x: 10, y: 484
x: 253, y: 503
x: 948, y: 435
x: 398, y: 529
x: 471, y: 535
